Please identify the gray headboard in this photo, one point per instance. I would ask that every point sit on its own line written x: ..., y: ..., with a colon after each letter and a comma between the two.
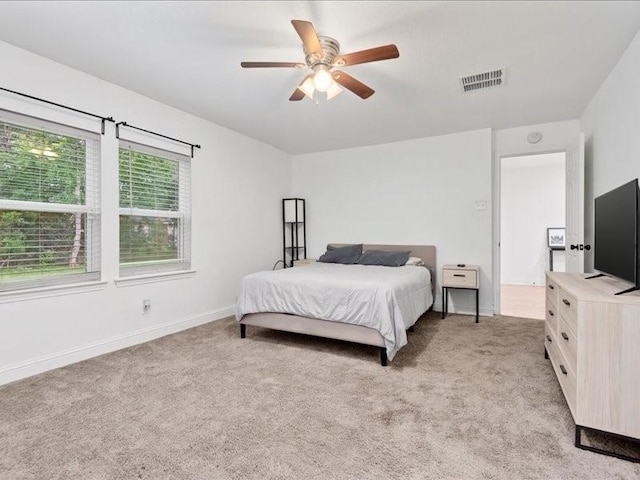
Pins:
x: 426, y: 252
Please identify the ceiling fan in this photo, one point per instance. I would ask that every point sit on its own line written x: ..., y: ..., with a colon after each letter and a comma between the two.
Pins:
x: 322, y: 55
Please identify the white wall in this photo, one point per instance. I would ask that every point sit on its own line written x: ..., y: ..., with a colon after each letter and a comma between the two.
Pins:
x: 533, y: 199
x: 611, y: 123
x: 413, y: 192
x: 237, y: 187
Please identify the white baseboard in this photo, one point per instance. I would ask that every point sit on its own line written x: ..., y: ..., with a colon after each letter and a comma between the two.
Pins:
x: 35, y: 366
x: 484, y: 312
x: 465, y: 311
x: 463, y: 308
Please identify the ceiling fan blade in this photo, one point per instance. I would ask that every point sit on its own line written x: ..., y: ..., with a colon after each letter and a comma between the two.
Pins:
x: 298, y: 94
x: 271, y: 64
x: 350, y: 83
x: 309, y: 37
x: 365, y: 56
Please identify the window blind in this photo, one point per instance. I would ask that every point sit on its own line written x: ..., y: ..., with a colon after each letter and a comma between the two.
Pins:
x: 155, y: 210
x: 49, y: 203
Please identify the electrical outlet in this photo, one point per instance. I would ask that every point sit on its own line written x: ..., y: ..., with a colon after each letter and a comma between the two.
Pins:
x: 146, y: 305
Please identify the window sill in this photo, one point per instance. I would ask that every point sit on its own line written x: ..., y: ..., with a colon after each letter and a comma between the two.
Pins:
x: 153, y: 277
x: 51, y: 291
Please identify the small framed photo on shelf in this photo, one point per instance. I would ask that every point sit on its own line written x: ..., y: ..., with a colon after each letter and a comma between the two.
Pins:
x: 556, y: 238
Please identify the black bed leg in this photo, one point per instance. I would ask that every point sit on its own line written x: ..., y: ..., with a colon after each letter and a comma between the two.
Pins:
x: 383, y: 357
x: 243, y: 330
x: 546, y: 354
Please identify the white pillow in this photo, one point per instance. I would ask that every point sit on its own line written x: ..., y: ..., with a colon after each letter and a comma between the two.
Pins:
x: 414, y: 261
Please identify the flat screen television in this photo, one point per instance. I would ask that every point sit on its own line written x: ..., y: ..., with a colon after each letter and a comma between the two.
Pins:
x: 617, y: 229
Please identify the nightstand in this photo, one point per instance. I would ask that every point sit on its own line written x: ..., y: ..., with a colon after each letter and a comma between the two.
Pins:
x: 465, y: 278
x: 302, y: 262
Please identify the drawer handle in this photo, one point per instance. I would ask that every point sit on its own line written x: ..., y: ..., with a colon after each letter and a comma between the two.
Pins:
x: 459, y: 275
x: 566, y: 302
x: 551, y: 312
x: 552, y: 287
x: 549, y: 338
x: 563, y: 370
x: 565, y: 336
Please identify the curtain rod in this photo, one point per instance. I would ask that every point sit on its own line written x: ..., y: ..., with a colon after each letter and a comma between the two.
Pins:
x: 103, y: 119
x: 125, y: 124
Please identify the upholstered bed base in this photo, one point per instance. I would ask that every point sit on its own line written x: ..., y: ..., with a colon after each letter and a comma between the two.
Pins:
x: 336, y: 330
x: 316, y: 327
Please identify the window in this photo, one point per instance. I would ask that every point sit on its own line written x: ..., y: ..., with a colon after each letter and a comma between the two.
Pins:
x: 49, y: 199
x: 155, y: 214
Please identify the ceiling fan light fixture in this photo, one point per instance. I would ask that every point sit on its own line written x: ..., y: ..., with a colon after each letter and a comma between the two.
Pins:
x: 307, y: 87
x: 322, y: 56
x: 333, y: 90
x: 322, y: 79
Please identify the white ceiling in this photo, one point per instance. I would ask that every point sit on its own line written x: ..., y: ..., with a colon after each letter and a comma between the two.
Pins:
x: 188, y: 54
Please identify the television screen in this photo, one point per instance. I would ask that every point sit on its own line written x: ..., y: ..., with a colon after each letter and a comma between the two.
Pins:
x: 616, y: 232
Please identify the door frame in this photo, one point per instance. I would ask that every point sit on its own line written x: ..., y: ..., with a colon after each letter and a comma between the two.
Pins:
x: 497, y: 212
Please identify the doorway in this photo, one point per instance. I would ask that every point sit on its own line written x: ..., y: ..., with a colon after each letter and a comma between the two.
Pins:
x: 532, y: 200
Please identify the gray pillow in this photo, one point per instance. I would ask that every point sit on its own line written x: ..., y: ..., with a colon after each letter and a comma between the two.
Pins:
x: 347, y: 255
x: 331, y: 246
x: 387, y: 259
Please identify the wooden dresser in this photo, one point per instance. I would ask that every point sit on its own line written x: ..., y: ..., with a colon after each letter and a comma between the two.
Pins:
x: 592, y: 338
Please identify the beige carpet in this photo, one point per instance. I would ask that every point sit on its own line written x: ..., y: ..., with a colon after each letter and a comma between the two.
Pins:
x: 462, y: 401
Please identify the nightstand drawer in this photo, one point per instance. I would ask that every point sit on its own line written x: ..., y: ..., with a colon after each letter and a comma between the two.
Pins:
x: 302, y: 262
x: 460, y: 278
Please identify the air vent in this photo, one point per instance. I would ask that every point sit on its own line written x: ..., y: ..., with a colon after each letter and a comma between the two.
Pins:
x: 493, y: 78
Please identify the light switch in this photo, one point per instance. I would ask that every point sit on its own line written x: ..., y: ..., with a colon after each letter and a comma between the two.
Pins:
x: 481, y: 205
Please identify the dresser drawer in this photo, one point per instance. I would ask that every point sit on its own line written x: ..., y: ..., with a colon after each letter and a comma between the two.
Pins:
x: 568, y: 308
x: 460, y: 278
x: 567, y: 378
x: 552, y: 293
x: 549, y: 338
x: 551, y: 316
x: 567, y: 342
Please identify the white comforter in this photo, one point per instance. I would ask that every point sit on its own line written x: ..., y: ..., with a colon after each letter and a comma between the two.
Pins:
x: 388, y: 299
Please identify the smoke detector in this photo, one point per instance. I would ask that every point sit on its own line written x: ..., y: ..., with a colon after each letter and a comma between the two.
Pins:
x: 534, y: 137
x: 477, y: 81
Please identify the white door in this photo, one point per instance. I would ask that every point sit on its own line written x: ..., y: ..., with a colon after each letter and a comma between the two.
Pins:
x: 575, y: 207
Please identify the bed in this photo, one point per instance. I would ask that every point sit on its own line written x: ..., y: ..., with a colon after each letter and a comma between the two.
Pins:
x: 371, y: 305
